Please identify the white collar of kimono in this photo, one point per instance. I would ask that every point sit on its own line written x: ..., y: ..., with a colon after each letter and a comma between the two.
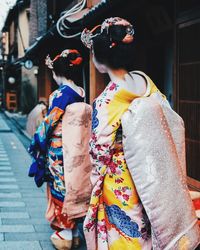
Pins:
x: 128, y: 78
x: 148, y: 90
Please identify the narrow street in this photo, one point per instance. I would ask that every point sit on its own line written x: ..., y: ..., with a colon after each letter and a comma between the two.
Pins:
x: 22, y: 205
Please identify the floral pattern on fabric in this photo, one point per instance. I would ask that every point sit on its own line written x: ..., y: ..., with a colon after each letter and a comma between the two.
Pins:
x: 46, y: 148
x: 116, y: 218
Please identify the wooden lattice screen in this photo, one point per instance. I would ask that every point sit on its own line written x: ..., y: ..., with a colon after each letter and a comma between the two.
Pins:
x: 188, y: 91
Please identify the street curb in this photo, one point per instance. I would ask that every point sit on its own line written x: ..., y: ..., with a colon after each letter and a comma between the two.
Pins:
x: 18, y: 126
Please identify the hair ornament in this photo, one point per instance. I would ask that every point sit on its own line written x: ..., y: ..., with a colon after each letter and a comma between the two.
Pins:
x: 49, y: 62
x: 112, y: 45
x: 77, y: 61
x: 119, y: 21
x: 65, y: 53
x: 88, y: 35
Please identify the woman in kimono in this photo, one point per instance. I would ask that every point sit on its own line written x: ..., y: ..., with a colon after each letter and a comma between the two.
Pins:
x: 116, y: 218
x: 46, y: 146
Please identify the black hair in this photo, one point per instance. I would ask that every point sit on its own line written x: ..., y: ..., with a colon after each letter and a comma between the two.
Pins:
x: 63, y: 67
x: 121, y: 55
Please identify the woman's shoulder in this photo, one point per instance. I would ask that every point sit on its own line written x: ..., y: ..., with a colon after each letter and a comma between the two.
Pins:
x: 150, y: 85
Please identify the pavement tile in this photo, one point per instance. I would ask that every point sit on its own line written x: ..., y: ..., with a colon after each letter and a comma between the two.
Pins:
x: 6, y: 173
x: 27, y: 236
x: 4, y: 163
x: 11, y: 179
x: 1, y: 237
x: 13, y: 209
x: 36, y: 202
x: 46, y: 245
x: 12, y: 204
x: 16, y: 229
x: 32, y: 195
x: 28, y: 221
x: 20, y: 245
x: 6, y: 186
x: 10, y: 195
x: 5, y: 159
x: 5, y: 168
x: 43, y: 229
x: 16, y: 216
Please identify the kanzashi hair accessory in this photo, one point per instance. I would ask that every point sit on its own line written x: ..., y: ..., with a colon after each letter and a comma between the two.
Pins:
x: 113, y: 45
x: 49, y: 62
x: 88, y: 35
x: 65, y: 53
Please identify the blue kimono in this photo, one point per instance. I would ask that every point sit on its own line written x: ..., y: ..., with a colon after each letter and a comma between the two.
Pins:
x: 46, y: 145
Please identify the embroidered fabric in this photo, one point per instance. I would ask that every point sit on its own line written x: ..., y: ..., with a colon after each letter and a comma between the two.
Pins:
x: 154, y: 148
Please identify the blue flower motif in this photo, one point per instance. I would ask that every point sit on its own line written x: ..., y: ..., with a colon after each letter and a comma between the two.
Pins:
x: 122, y: 221
x: 95, y: 121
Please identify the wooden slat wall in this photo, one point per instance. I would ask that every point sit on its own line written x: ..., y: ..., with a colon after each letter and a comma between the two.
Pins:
x: 188, y: 95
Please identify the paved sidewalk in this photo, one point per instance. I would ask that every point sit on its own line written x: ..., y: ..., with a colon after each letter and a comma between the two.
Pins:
x: 3, y: 126
x: 19, y: 121
x: 22, y: 206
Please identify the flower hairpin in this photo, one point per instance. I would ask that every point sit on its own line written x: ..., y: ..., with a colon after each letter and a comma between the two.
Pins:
x: 88, y: 35
x: 65, y: 53
x: 49, y: 62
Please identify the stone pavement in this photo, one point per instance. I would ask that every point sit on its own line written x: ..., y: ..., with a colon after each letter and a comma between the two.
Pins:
x: 22, y: 205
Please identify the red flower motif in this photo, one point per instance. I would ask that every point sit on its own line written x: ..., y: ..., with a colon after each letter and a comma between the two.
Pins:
x: 119, y: 180
x: 93, y: 216
x: 104, y: 159
x: 112, y: 87
x: 117, y: 192
x: 94, y: 209
x: 89, y: 225
x: 101, y: 178
x: 113, y: 167
x: 93, y: 155
x: 119, y: 162
x: 102, y: 228
x: 94, y: 138
x: 124, y: 189
x: 126, y: 197
x: 97, y: 193
x: 98, y: 147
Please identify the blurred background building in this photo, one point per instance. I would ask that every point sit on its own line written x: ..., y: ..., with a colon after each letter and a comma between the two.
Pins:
x: 167, y: 40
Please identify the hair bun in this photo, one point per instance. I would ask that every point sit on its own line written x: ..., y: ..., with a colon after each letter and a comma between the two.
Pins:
x: 117, y: 33
x: 118, y: 30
